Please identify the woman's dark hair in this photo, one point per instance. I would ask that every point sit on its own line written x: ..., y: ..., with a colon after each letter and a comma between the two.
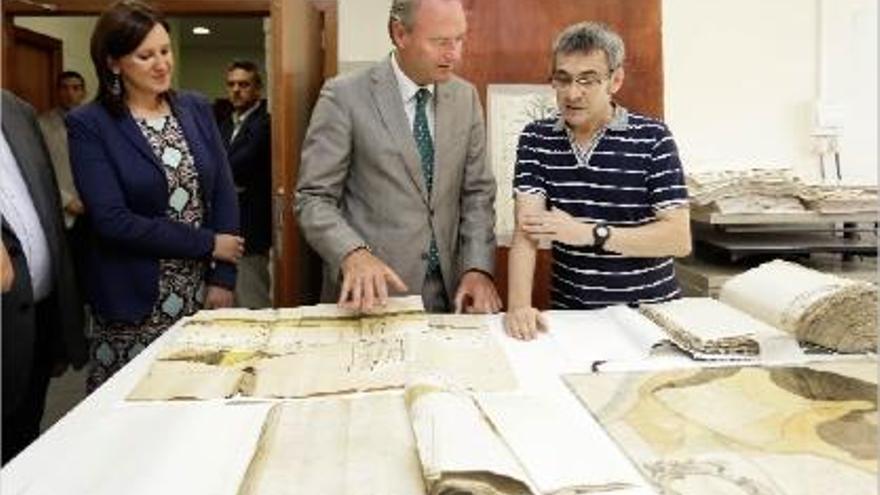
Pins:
x: 119, y: 31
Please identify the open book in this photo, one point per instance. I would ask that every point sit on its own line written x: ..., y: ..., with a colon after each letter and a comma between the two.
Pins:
x: 708, y: 329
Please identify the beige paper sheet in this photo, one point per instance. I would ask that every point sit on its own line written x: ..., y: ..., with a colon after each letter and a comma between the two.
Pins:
x: 563, y: 451
x: 320, y: 350
x: 460, y: 351
x: 188, y: 380
x: 764, y: 430
x: 340, y: 446
x: 338, y: 355
x: 458, y: 449
x: 709, y: 329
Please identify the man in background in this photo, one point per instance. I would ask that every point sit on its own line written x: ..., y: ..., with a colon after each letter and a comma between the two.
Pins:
x: 42, y: 330
x: 71, y: 90
x: 247, y: 136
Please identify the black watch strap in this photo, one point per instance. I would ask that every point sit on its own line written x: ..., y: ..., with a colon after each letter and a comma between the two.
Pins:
x: 601, y: 233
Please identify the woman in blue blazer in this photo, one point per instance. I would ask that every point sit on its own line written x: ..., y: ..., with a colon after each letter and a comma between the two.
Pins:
x: 153, y: 175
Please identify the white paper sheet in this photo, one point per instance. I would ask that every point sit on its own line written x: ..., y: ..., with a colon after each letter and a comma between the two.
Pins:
x: 559, y: 446
x: 609, y: 334
x: 163, y: 448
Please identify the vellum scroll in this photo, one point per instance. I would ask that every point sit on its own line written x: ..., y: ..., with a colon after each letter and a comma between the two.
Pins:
x: 816, y: 307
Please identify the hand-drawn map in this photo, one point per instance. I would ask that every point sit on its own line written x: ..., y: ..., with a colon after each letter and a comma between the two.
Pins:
x: 744, y: 430
x: 510, y: 108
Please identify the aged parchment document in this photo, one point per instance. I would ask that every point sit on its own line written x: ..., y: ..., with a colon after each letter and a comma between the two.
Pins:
x: 744, y: 430
x: 319, y: 350
x: 561, y: 451
x: 509, y: 108
x: 458, y: 349
x: 209, y: 356
x: 458, y: 449
x: 815, y: 307
x: 332, y: 354
x: 336, y: 445
x: 709, y: 329
x: 503, y: 444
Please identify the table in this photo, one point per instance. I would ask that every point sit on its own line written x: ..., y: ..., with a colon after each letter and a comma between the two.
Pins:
x: 108, y: 445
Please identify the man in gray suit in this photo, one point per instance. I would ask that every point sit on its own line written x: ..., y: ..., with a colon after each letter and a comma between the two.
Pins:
x: 394, y: 188
x: 42, y: 329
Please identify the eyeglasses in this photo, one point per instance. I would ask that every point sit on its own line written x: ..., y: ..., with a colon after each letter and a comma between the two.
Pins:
x: 562, y: 81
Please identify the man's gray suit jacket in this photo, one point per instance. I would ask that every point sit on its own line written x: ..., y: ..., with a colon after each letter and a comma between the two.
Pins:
x: 64, y: 318
x: 361, y: 181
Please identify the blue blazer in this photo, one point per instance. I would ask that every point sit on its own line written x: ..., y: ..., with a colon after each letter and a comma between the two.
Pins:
x: 123, y: 187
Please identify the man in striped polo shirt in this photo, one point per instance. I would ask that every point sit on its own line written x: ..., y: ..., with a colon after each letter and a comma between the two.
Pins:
x: 605, y: 185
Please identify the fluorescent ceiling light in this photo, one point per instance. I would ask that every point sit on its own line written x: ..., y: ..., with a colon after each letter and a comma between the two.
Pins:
x: 201, y: 30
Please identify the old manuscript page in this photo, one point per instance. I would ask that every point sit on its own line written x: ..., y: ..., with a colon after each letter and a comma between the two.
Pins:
x: 320, y: 350
x: 563, y: 451
x: 458, y: 449
x: 340, y: 446
x: 459, y: 349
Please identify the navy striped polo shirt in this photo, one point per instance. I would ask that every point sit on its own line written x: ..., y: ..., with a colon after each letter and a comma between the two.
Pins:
x: 630, y: 172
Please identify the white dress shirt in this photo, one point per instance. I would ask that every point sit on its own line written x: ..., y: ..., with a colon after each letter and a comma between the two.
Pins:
x: 408, y: 89
x: 55, y: 136
x: 18, y: 210
x: 238, y: 119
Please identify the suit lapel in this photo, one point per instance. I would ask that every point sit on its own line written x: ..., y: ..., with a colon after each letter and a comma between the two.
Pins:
x: 192, y: 131
x: 133, y: 133
x: 225, y: 128
x: 444, y: 116
x: 387, y: 97
x: 245, y: 130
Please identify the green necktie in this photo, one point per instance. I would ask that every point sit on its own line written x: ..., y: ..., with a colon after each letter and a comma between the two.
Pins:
x: 422, y: 133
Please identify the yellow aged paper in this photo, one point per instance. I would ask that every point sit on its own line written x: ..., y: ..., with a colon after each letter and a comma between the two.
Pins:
x: 319, y: 350
x: 336, y: 445
x: 777, y: 430
x: 458, y: 449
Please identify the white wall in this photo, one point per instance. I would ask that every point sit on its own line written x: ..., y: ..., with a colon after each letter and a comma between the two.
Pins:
x: 74, y: 33
x: 740, y: 81
x: 848, y: 80
x: 363, y: 33
x: 741, y: 77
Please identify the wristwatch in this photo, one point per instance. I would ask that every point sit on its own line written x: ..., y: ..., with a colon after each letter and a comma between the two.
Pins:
x: 601, y: 233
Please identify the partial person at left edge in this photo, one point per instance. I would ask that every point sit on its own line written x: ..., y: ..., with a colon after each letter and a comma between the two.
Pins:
x: 42, y: 317
x: 151, y: 170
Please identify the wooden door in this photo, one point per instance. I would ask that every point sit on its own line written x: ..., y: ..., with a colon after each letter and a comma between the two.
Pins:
x: 510, y: 41
x: 300, y: 41
x: 31, y: 63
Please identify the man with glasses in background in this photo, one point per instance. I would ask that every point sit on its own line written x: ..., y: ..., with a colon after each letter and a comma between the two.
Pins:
x: 603, y: 184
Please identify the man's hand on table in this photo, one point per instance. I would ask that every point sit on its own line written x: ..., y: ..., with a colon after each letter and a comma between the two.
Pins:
x: 476, y: 294
x: 365, y: 281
